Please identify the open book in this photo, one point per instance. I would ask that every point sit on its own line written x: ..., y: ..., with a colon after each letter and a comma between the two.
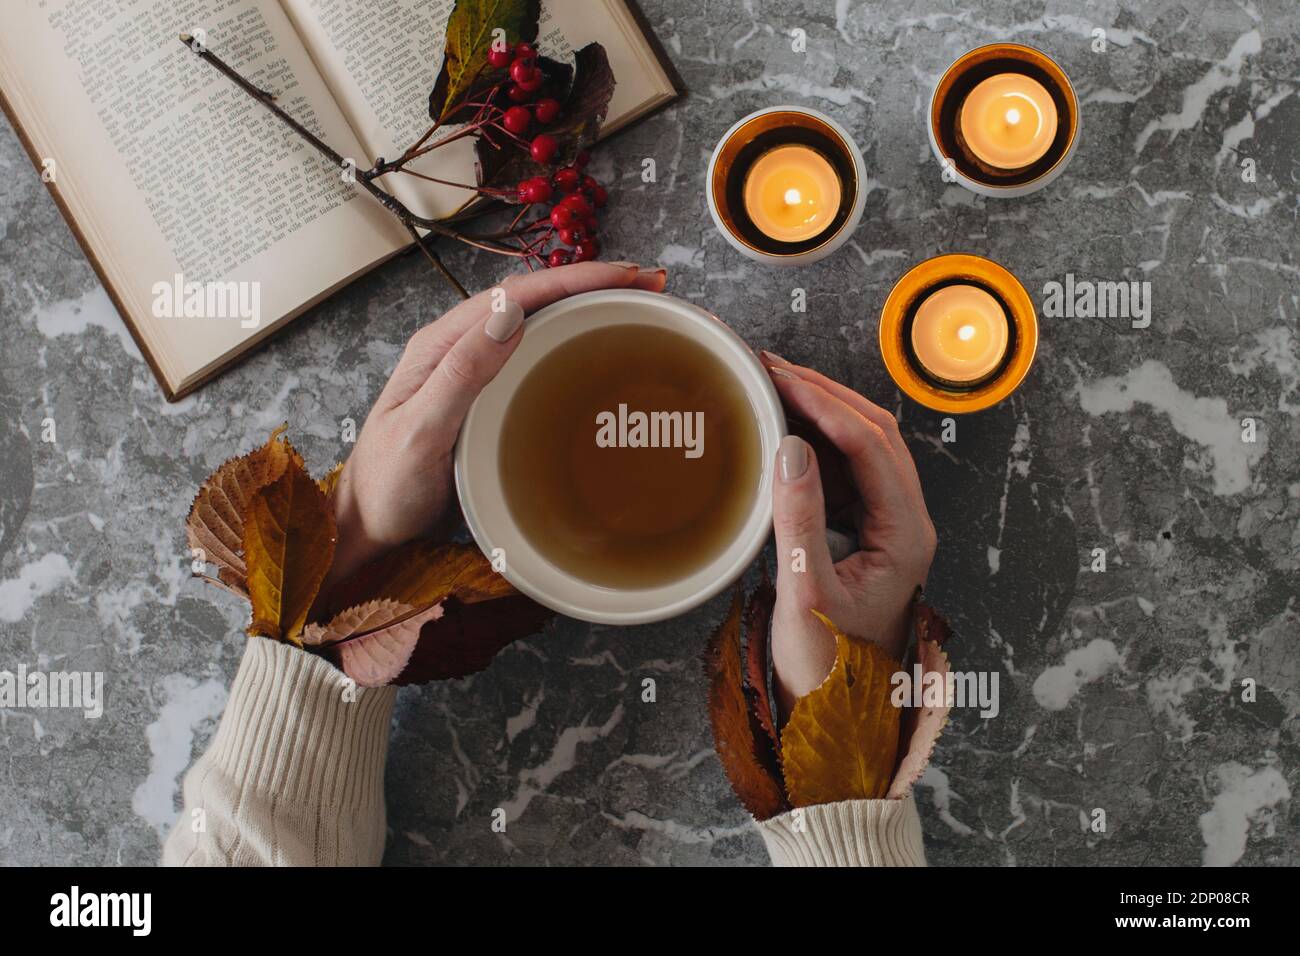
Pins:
x: 171, y: 176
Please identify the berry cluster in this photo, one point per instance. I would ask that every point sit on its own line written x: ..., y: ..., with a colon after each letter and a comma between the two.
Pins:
x: 573, y: 194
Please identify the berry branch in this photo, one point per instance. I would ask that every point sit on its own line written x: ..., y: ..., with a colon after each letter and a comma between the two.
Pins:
x: 511, y: 105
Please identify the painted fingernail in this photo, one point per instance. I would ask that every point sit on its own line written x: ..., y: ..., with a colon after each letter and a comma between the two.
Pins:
x: 773, y: 357
x: 793, y: 457
x: 504, y: 324
x: 777, y: 372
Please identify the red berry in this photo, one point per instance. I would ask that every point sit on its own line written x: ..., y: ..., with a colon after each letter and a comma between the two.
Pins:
x: 562, y: 217
x: 586, y: 250
x: 579, y: 204
x: 582, y: 159
x: 548, y: 110
x: 499, y: 58
x: 567, y: 180
x: 592, y: 224
x: 524, y: 50
x: 518, y: 94
x: 543, y: 148
x: 559, y: 257
x: 573, y: 235
x: 517, y: 120
x: 599, y: 195
x: 536, y: 189
x: 533, y: 82
x: 588, y: 184
x: 522, y: 71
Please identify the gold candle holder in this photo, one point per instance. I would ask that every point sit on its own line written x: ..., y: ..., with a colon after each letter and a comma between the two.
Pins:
x: 950, y: 94
x: 896, y: 333
x: 759, y: 133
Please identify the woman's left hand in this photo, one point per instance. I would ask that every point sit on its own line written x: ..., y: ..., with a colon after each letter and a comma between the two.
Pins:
x: 397, y: 483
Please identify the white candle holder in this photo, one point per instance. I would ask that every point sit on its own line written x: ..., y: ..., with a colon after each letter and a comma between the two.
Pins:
x: 959, y: 162
x: 755, y: 135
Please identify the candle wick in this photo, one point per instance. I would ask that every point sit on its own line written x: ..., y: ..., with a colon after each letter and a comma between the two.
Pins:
x: 793, y: 197
x: 966, y: 332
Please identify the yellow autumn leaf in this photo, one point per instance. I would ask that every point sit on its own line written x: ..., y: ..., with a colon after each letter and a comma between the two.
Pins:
x: 289, y: 535
x: 331, y: 480
x: 841, y: 741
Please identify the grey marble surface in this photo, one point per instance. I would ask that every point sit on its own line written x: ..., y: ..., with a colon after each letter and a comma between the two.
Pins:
x: 1119, y: 690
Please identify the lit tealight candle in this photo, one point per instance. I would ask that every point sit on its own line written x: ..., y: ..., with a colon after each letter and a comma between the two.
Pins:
x: 792, y: 193
x: 959, y: 334
x: 1009, y: 120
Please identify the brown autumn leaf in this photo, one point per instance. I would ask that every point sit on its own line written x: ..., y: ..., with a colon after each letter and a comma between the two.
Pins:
x: 922, y: 726
x: 289, y: 535
x: 758, y: 618
x: 216, y: 520
x: 372, y: 642
x: 589, y: 97
x: 758, y: 790
x: 422, y: 573
x: 928, y: 623
x: 234, y: 581
x: 842, y: 739
x: 466, y: 638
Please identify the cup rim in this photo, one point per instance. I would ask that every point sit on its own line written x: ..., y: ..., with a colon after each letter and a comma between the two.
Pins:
x: 757, y: 524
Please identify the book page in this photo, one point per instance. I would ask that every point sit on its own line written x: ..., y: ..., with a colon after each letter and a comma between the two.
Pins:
x: 381, y: 61
x: 170, y: 170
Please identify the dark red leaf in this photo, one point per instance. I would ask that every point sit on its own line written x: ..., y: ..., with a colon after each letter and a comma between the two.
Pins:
x: 466, y: 638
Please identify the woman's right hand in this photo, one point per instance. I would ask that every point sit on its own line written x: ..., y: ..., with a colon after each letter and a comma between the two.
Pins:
x: 868, y: 594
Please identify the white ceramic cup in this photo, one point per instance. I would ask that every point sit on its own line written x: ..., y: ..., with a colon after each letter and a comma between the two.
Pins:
x: 478, y: 473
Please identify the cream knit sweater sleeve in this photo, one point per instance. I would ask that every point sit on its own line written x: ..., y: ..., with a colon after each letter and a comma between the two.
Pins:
x: 848, y: 833
x: 295, y: 777
x: 295, y: 773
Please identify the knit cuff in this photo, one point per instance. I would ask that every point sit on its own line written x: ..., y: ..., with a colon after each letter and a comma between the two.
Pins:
x: 848, y: 833
x: 296, y: 727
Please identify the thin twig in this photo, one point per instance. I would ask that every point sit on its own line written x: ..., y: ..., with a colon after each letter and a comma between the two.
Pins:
x: 365, y: 179
x: 437, y: 262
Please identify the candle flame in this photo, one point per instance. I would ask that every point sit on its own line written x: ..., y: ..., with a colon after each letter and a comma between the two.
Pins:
x: 966, y: 332
x: 1013, y: 116
x: 793, y: 197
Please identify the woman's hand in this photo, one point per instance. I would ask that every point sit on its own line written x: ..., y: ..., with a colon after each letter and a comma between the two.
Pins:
x: 868, y: 594
x: 397, y: 483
